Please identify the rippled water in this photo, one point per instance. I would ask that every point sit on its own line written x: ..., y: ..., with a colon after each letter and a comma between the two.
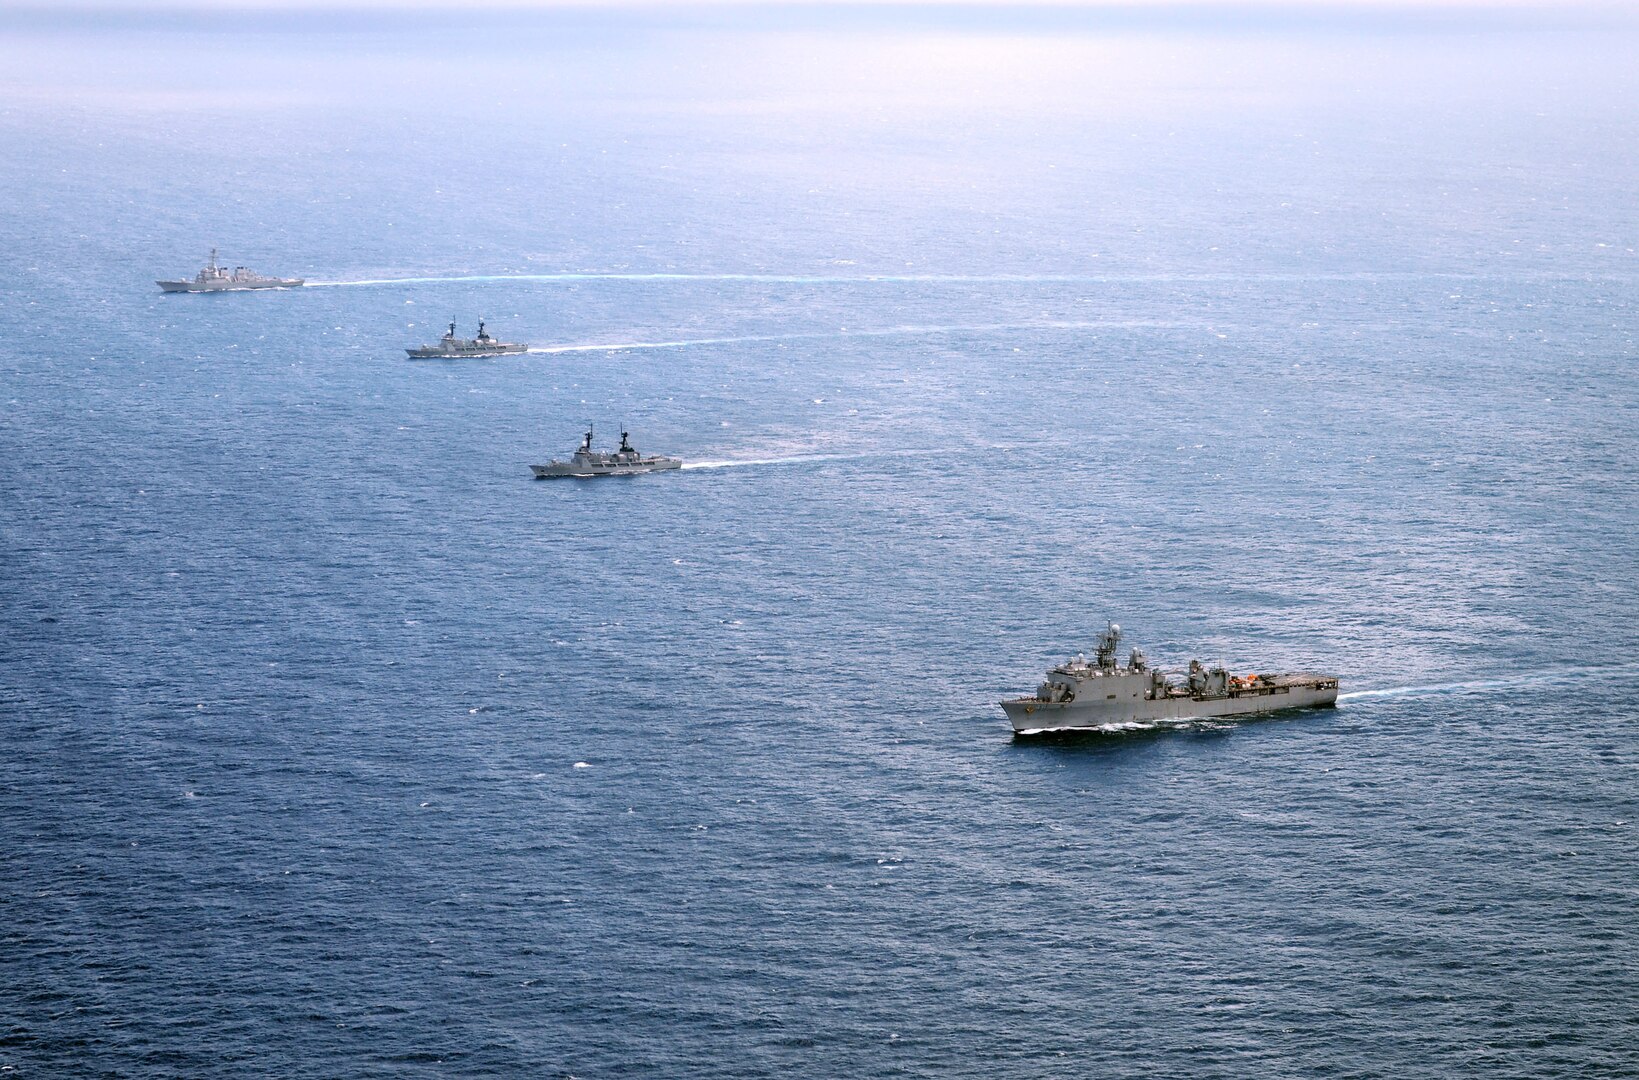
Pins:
x: 336, y: 746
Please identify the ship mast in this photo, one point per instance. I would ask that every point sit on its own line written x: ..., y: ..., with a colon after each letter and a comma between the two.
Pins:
x: 1107, y: 643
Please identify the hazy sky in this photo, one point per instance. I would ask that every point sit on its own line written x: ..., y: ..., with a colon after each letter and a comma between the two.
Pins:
x: 353, y: 5
x: 1512, y: 13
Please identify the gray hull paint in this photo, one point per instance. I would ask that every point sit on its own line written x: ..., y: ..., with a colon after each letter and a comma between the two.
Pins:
x: 214, y: 278
x: 1102, y: 694
x: 433, y: 352
x: 450, y: 347
x: 569, y: 469
x: 1029, y: 715
x: 586, y: 462
x: 231, y: 286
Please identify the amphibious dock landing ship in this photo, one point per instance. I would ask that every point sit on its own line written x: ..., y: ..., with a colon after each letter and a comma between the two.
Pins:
x: 450, y: 346
x: 589, y: 462
x: 215, y: 278
x: 1083, y: 695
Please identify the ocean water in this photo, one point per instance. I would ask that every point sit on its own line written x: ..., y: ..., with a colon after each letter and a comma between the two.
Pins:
x: 334, y: 745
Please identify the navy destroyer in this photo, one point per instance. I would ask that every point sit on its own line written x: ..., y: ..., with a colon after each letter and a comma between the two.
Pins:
x: 450, y: 346
x: 586, y: 462
x: 214, y: 278
x: 1082, y: 695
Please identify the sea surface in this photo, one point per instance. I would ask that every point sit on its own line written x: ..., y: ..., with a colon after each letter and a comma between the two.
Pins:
x: 333, y: 745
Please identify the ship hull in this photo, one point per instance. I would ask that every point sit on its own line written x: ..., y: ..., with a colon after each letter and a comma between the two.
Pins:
x: 236, y: 286
x: 467, y: 354
x: 566, y: 470
x: 1031, y: 717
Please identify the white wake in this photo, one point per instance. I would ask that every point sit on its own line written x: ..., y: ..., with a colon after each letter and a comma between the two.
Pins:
x: 935, y: 279
x: 803, y: 459
x: 1508, y: 682
x: 833, y: 335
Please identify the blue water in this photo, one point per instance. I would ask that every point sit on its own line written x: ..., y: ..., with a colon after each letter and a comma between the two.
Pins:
x: 336, y: 746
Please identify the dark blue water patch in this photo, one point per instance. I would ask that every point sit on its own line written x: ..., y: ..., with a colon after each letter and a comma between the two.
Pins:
x: 337, y: 745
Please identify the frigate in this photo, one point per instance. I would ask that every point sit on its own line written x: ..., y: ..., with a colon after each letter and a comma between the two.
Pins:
x: 214, y: 278
x: 589, y: 462
x: 450, y: 346
x: 1083, y: 695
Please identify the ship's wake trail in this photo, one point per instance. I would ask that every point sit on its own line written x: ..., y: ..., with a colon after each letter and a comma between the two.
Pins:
x: 833, y: 335
x: 804, y: 459
x: 1557, y: 676
x: 798, y: 459
x: 921, y: 279
x: 770, y: 279
x: 1564, y: 676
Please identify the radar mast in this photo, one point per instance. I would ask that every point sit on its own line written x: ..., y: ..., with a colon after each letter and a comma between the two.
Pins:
x: 1108, y: 642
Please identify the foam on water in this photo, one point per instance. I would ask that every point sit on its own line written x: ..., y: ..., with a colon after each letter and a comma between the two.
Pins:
x: 823, y: 335
x: 1367, y: 276
x: 804, y: 459
x: 796, y: 459
x: 1510, y: 682
x: 1541, y: 678
x: 711, y: 706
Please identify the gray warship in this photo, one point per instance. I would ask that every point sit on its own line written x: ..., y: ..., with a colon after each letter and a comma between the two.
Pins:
x: 214, y: 278
x: 450, y: 346
x: 586, y: 462
x: 1080, y: 695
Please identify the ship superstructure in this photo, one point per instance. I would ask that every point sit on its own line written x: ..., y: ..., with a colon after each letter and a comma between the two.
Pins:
x: 587, y: 462
x: 1084, y: 694
x: 214, y: 278
x: 450, y: 346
